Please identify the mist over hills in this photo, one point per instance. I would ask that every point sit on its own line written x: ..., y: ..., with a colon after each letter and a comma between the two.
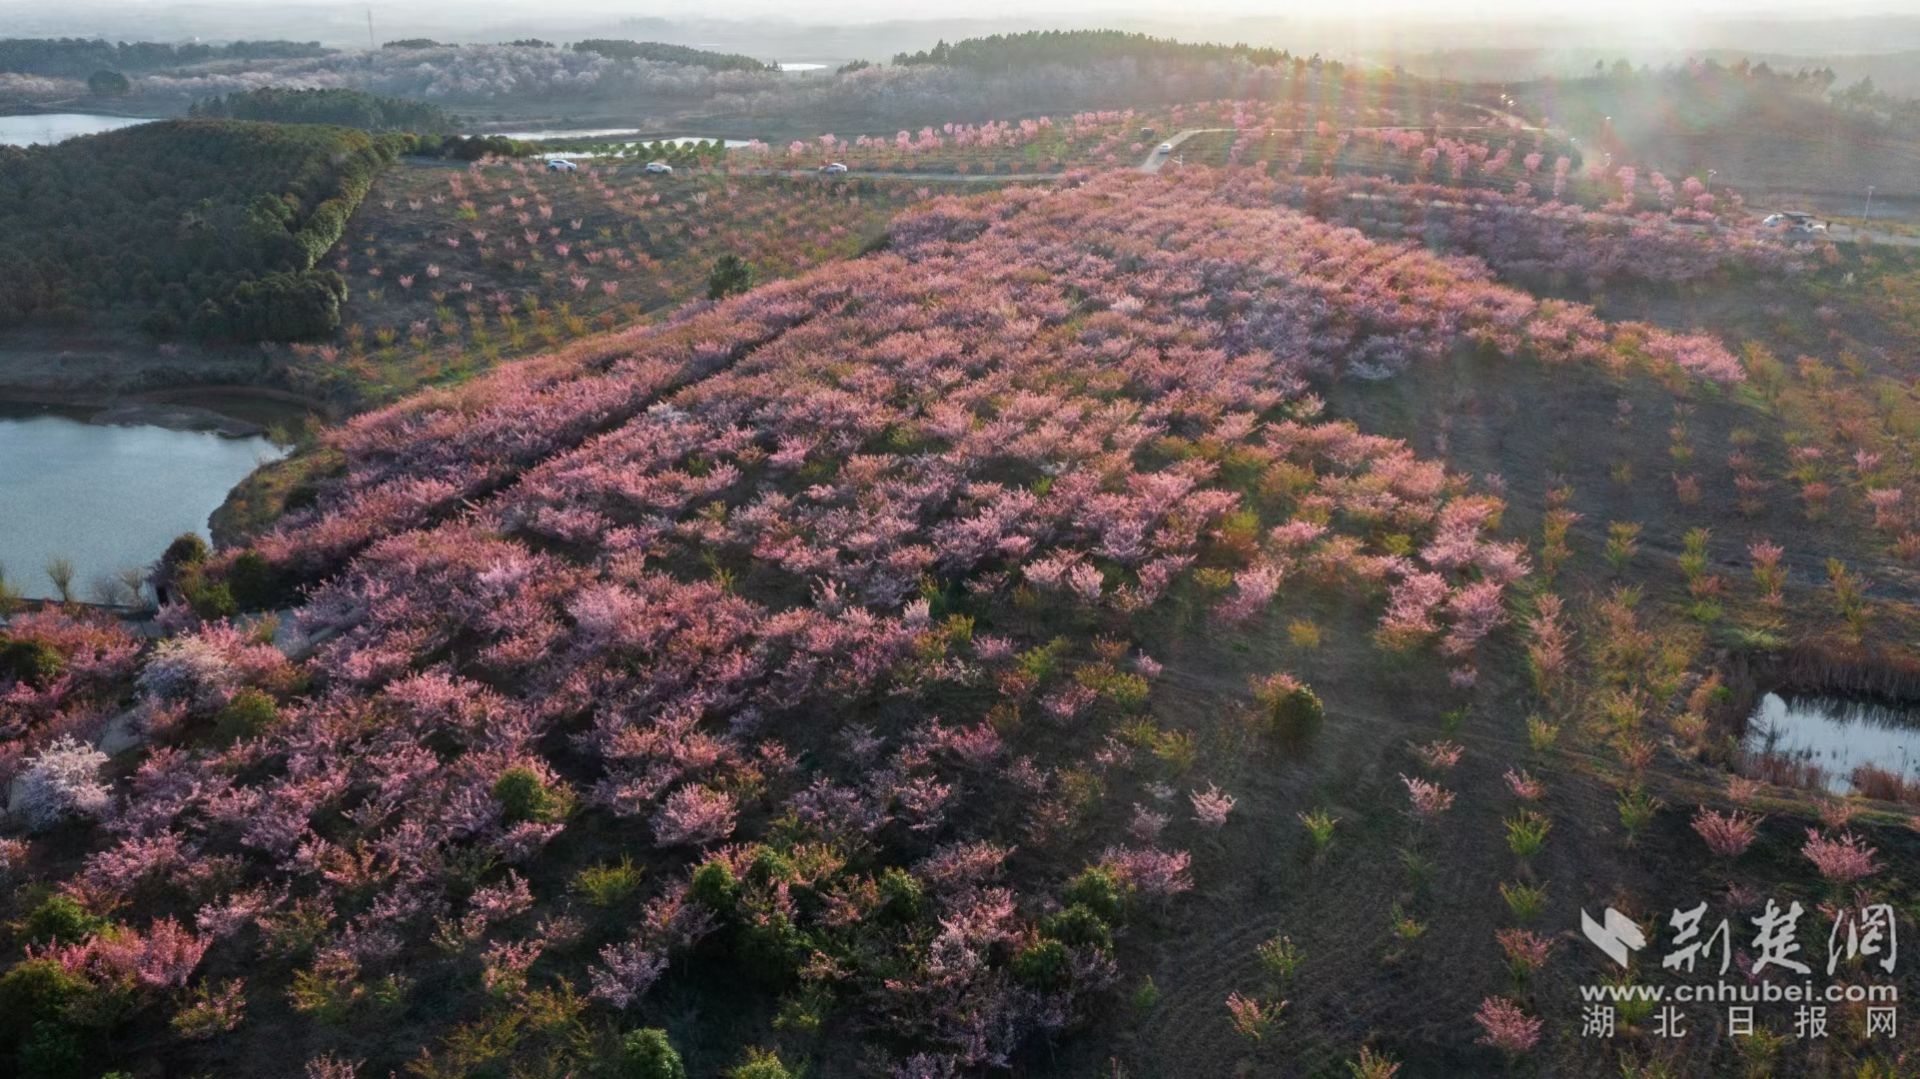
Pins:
x: 1491, y: 46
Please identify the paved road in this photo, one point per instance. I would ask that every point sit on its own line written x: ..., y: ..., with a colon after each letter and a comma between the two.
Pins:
x: 1838, y: 234
x: 1155, y: 160
x: 1850, y: 234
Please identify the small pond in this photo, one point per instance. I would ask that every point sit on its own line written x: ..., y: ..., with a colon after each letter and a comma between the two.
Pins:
x: 106, y: 498
x: 45, y: 128
x: 1836, y: 735
x: 562, y: 133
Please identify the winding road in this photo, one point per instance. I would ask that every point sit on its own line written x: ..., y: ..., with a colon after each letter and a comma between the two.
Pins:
x: 1157, y: 159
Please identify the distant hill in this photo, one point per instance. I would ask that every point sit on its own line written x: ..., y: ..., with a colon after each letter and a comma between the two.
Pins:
x: 76, y: 58
x: 210, y: 227
x: 345, y: 108
x: 1757, y: 129
x: 1006, y: 52
x: 671, y: 54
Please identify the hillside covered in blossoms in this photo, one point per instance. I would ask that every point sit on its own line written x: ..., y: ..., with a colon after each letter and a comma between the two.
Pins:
x: 1234, y: 608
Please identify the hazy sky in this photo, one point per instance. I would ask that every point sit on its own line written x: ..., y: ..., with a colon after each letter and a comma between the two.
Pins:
x: 813, y: 10
x: 1340, y: 26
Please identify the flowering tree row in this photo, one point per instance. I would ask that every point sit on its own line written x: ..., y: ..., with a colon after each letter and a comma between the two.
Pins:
x: 776, y: 598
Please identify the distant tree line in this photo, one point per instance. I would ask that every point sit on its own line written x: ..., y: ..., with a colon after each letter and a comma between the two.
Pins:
x: 1006, y: 52
x: 77, y: 58
x: 672, y: 54
x: 345, y: 108
x: 211, y: 228
x: 1710, y: 71
x: 470, y: 147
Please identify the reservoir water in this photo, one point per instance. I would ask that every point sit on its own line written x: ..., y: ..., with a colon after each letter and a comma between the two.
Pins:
x: 106, y: 498
x: 45, y: 128
x: 1836, y: 735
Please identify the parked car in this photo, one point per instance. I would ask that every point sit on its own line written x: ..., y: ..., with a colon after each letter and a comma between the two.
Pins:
x: 833, y: 169
x: 1165, y: 148
x: 1786, y: 217
x: 561, y: 164
x: 659, y: 168
x: 1807, y: 228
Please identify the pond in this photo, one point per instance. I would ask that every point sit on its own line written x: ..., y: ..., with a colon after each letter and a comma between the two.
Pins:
x: 106, y: 498
x: 46, y: 128
x: 1836, y: 735
x: 562, y: 133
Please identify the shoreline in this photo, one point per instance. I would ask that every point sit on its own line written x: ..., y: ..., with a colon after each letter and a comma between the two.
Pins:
x: 225, y: 409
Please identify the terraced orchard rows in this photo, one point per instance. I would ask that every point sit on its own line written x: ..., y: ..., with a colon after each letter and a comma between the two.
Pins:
x: 728, y: 659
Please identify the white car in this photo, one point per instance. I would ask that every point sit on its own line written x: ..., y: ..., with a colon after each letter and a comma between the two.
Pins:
x: 1165, y: 148
x: 833, y: 169
x: 659, y: 168
x: 561, y: 164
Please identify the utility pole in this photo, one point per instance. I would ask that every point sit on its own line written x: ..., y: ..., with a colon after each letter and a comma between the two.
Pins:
x: 370, y: 45
x: 1869, y: 214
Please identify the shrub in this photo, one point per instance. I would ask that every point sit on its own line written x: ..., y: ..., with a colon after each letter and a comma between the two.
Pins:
x: 1637, y: 809
x: 35, y: 663
x: 1290, y: 704
x: 1372, y: 1065
x: 1541, y: 735
x: 1280, y: 957
x: 34, y: 991
x: 61, y: 918
x: 212, y: 1011
x: 730, y: 276
x: 1527, y: 833
x: 63, y: 781
x: 1623, y: 542
x: 276, y: 307
x: 525, y: 795
x: 187, y: 549
x: 254, y: 582
x: 211, y: 601
x: 1506, y: 1027
x: 1044, y: 964
x: 1727, y: 835
x: 1524, y: 901
x: 647, y: 1054
x: 249, y: 714
x: 1099, y: 889
x: 1254, y: 1019
x: 1319, y: 824
x: 901, y: 895
x: 608, y: 885
x: 760, y: 1064
x: 1078, y: 926
x: 1841, y: 860
x: 715, y: 887
x: 52, y: 1051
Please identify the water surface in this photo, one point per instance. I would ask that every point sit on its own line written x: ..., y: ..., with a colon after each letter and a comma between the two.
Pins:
x: 1837, y: 734
x: 106, y: 498
x: 47, y: 128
